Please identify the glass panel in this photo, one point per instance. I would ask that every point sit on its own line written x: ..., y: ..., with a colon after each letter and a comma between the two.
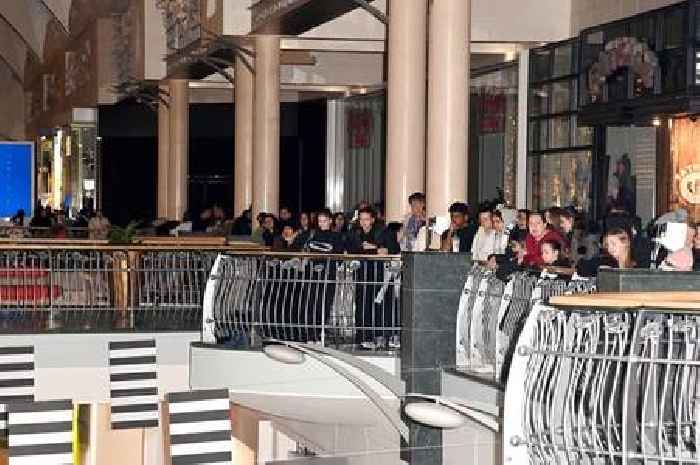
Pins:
x: 561, y: 97
x: 674, y: 29
x: 539, y: 100
x: 673, y: 66
x: 583, y: 134
x: 560, y: 179
x: 617, y: 85
x: 560, y: 134
x: 562, y: 60
x: 543, y: 135
x: 541, y: 65
x: 644, y: 29
x: 493, y: 133
x: 616, y: 30
x: 538, y: 135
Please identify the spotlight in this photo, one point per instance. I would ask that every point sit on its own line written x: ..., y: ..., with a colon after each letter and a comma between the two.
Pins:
x: 656, y: 121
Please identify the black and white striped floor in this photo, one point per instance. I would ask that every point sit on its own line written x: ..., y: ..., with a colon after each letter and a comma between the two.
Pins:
x: 41, y: 433
x: 200, y: 427
x: 133, y: 377
x: 16, y: 379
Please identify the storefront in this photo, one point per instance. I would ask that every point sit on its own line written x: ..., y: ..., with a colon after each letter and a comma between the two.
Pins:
x: 67, y: 165
x: 627, y: 106
x: 560, y: 151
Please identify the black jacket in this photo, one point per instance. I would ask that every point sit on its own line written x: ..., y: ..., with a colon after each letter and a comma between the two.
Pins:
x: 319, y: 242
x: 381, y: 237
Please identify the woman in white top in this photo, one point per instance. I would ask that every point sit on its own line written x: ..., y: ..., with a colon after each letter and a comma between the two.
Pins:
x: 484, y: 243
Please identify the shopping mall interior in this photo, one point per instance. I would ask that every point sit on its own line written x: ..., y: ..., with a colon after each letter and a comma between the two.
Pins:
x: 349, y: 232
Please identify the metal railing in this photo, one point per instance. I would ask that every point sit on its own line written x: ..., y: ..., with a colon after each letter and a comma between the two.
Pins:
x: 81, y: 288
x: 613, y: 385
x: 342, y: 300
x: 492, y: 313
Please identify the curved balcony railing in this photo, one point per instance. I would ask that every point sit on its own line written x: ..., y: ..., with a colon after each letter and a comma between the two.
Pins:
x: 492, y: 313
x: 606, y: 379
x: 348, y: 301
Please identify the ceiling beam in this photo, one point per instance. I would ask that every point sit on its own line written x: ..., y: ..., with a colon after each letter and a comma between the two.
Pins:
x: 21, y: 37
x: 58, y: 20
x: 13, y: 71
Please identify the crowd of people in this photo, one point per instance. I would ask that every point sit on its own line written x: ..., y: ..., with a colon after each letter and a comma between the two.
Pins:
x: 327, y: 232
x: 50, y: 223
x: 560, y: 241
x: 556, y: 240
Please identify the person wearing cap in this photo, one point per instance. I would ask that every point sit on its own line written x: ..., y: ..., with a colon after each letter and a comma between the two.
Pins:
x: 460, y: 236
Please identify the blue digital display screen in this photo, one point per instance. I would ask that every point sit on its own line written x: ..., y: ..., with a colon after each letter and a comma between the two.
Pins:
x: 15, y: 178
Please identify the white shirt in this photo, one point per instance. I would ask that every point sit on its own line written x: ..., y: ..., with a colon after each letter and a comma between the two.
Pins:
x: 500, y: 242
x: 484, y: 244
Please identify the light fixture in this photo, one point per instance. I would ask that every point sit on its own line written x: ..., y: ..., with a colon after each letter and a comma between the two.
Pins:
x: 656, y: 121
x: 435, y: 415
x: 294, y: 353
x: 439, y: 412
x: 284, y: 354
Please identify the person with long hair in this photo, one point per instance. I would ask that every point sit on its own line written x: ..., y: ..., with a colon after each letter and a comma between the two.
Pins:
x: 618, y: 245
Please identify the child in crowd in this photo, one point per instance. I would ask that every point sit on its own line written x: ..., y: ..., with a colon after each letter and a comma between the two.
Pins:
x: 553, y: 257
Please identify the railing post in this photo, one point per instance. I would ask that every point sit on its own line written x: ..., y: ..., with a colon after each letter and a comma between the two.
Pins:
x: 208, y: 327
x: 51, y: 270
x: 121, y: 282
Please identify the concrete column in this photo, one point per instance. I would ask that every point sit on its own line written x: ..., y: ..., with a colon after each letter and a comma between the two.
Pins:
x: 179, y: 148
x: 430, y: 292
x: 448, y: 99
x: 243, y: 161
x: 406, y: 90
x: 266, y: 125
x: 163, y: 157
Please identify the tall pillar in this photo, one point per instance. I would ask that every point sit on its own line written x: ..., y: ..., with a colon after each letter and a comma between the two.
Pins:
x: 266, y: 125
x: 406, y: 90
x: 179, y: 147
x: 243, y: 161
x: 163, y: 157
x: 448, y: 98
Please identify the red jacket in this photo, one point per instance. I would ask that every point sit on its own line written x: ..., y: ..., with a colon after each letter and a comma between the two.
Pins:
x: 533, y: 248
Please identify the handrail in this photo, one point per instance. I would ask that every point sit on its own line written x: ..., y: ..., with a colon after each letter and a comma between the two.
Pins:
x: 615, y: 385
x: 348, y: 301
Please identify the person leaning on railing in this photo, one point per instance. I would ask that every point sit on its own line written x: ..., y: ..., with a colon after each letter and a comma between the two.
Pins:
x: 323, y: 239
x: 460, y: 236
x: 370, y: 238
x: 373, y: 314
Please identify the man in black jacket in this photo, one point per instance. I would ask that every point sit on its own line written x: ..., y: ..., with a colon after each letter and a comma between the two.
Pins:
x: 370, y: 238
x: 375, y: 309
